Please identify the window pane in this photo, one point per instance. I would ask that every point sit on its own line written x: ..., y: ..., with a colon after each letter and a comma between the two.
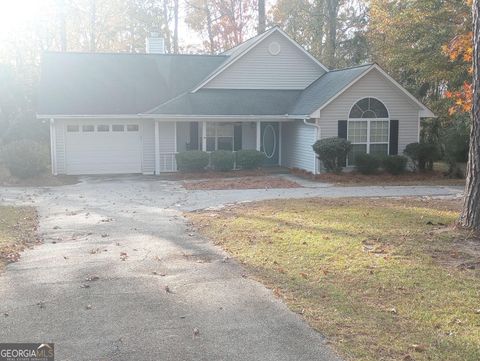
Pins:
x: 378, y: 107
x: 103, y: 128
x: 225, y: 143
x: 210, y: 144
x: 210, y: 129
x: 357, y: 132
x: 88, y: 128
x: 379, y: 149
x: 118, y: 127
x: 357, y: 149
x: 225, y: 130
x: 72, y: 128
x: 356, y: 112
x: 132, y: 128
x: 378, y: 131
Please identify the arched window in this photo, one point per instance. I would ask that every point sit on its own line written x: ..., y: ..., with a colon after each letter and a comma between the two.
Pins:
x: 368, y: 128
x: 368, y: 108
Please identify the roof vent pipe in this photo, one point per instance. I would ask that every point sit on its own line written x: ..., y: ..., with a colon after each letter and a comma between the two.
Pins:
x: 154, y: 44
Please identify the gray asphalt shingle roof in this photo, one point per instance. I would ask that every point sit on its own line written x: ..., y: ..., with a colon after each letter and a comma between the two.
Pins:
x: 326, y: 87
x: 231, y: 102
x: 103, y: 83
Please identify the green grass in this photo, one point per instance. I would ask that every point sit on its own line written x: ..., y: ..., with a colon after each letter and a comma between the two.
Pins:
x: 17, y: 230
x: 372, y: 275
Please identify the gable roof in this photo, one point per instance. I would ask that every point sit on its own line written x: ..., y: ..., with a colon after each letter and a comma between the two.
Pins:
x: 230, y: 102
x: 104, y: 83
x: 239, y: 51
x: 334, y: 83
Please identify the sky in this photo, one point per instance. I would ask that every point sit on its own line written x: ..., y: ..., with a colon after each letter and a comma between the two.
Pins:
x: 20, y: 15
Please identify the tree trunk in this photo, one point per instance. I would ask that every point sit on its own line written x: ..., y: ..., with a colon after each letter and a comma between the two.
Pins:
x: 93, y: 21
x: 470, y: 216
x: 261, y: 16
x: 209, y: 28
x: 62, y: 11
x: 175, y: 29
x: 332, y: 8
x: 166, y: 19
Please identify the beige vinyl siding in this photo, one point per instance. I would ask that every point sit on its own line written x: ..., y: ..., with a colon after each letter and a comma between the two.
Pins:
x: 297, y: 141
x: 249, y: 135
x: 60, y: 145
x: 258, y: 69
x: 148, y: 145
x: 374, y: 84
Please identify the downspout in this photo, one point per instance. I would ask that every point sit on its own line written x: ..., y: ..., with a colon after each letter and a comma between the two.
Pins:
x: 318, y: 136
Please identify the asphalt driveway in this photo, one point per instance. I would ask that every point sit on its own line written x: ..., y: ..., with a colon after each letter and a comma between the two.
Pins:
x: 121, y: 277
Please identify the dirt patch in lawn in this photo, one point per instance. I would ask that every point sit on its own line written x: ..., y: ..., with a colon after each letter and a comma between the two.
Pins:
x: 241, y: 183
x: 382, y: 178
x: 18, y: 230
x: 43, y: 180
x: 383, y: 279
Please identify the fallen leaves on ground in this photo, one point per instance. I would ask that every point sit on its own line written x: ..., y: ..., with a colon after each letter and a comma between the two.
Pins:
x: 241, y: 183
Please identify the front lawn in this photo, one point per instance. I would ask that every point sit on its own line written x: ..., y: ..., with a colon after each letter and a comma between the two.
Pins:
x: 18, y: 227
x: 382, y: 279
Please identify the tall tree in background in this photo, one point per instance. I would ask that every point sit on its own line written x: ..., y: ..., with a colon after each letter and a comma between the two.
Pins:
x: 224, y: 24
x: 332, y: 30
x: 406, y: 38
x: 262, y: 20
x: 93, y: 25
x: 470, y: 216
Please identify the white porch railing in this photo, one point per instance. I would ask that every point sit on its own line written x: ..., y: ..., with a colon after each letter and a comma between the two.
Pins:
x: 167, y: 162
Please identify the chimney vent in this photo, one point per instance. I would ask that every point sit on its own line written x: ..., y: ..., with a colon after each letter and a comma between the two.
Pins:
x: 154, y: 44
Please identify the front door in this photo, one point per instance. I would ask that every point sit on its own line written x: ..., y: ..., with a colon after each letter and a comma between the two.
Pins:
x: 270, y: 142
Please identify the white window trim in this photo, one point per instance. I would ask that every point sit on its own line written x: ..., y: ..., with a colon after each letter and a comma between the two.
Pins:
x: 216, y: 136
x: 368, y: 142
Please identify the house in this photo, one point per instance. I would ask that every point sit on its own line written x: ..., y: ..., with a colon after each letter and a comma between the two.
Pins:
x: 131, y: 113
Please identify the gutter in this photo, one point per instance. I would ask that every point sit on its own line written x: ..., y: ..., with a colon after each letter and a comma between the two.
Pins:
x: 185, y: 117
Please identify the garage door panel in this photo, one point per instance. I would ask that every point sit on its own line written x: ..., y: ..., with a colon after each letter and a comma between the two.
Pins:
x: 103, y: 152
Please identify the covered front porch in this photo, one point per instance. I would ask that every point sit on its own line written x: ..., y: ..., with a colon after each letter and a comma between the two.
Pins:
x: 209, y: 135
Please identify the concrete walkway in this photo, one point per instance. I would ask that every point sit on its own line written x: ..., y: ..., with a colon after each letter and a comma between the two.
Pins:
x: 121, y: 277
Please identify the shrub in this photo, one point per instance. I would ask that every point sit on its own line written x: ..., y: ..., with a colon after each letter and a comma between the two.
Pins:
x: 250, y: 159
x: 222, y: 160
x: 395, y: 164
x: 422, y: 154
x: 25, y: 158
x: 192, y: 161
x: 332, y: 152
x: 367, y: 163
x: 455, y: 142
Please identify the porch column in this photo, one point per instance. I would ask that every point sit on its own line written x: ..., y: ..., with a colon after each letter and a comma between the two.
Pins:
x: 258, y: 135
x: 157, y: 149
x: 204, y: 136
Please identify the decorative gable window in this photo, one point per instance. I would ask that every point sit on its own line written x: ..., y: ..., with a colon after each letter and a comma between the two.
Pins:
x: 368, y: 128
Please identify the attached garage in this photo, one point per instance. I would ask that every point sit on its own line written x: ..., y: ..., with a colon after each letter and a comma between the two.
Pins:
x: 103, y: 147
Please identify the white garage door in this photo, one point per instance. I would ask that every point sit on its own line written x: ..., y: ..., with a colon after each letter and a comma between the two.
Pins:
x: 103, y: 147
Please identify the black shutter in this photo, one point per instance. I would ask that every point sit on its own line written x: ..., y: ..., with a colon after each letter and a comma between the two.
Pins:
x: 393, y: 137
x: 342, y: 133
x: 342, y: 129
x: 237, y: 137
